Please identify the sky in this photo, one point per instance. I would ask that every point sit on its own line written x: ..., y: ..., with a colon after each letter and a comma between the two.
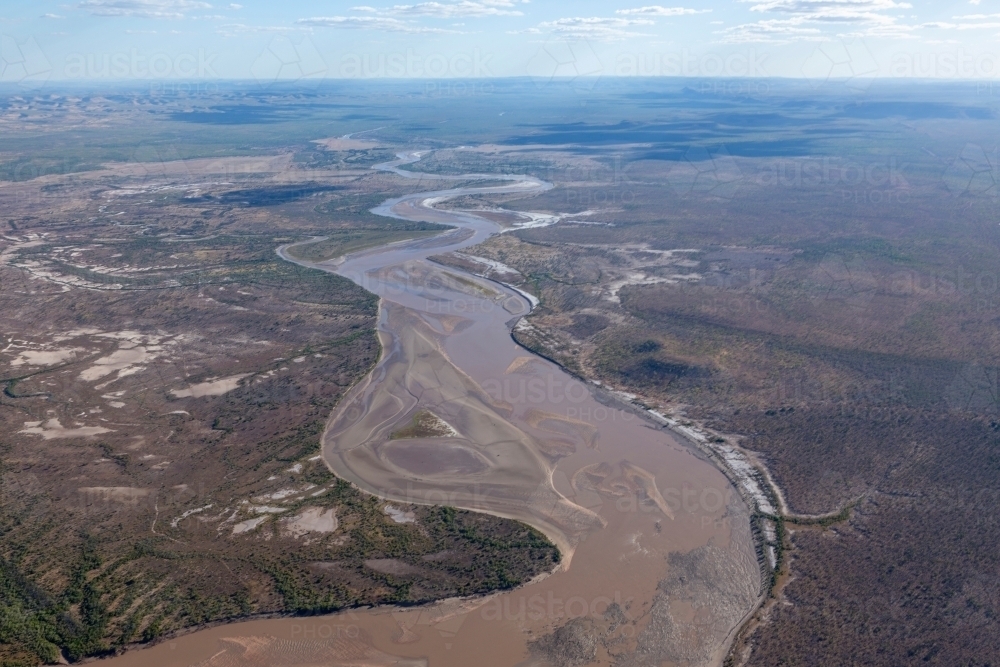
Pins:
x: 273, y: 40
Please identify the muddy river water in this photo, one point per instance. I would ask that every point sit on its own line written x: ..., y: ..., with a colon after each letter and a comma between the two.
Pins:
x: 659, y: 565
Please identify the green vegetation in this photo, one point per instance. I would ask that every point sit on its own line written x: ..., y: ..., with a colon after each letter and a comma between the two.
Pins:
x: 846, y: 332
x: 94, y: 610
x: 152, y: 546
x: 316, y: 157
x: 448, y: 552
x: 424, y: 424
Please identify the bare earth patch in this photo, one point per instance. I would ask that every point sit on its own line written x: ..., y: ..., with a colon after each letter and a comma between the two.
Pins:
x: 210, y: 387
x: 391, y: 566
x: 52, y: 429
x: 45, y: 357
x: 345, y: 144
x: 121, y: 494
x: 311, y: 520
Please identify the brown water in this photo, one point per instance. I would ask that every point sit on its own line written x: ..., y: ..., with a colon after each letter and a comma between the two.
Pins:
x: 659, y: 565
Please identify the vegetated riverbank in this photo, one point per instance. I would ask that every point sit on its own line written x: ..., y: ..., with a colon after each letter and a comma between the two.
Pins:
x: 163, y: 440
x: 673, y: 560
x: 771, y: 519
x: 437, y: 347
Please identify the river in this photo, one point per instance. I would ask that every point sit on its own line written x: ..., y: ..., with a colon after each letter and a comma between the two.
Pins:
x: 659, y: 564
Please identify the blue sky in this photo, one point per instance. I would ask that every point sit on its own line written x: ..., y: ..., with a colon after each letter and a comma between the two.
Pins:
x: 205, y: 39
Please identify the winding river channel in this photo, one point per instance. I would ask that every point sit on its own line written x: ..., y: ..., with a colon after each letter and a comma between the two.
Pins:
x: 659, y: 565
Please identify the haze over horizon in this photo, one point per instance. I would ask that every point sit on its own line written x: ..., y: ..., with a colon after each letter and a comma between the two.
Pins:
x: 140, y: 40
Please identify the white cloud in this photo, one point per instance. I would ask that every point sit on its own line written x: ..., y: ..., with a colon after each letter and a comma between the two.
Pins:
x: 850, y: 11
x: 656, y: 10
x: 596, y: 28
x: 52, y: 16
x: 237, y: 29
x: 447, y: 10
x: 383, y: 23
x: 818, y: 6
x: 233, y: 5
x: 807, y: 19
x: 884, y: 30
x: 150, y: 9
x: 772, y: 31
x: 961, y: 26
x: 451, y: 10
